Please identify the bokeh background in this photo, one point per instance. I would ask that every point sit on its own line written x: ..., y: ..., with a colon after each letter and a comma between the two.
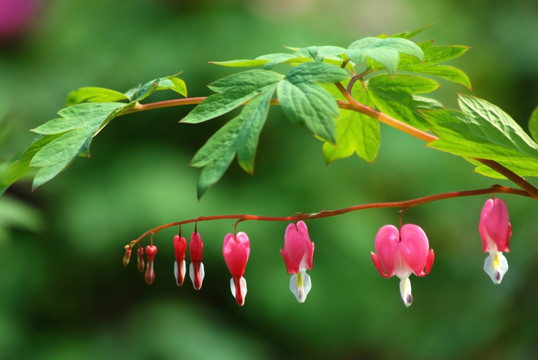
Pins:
x: 63, y: 291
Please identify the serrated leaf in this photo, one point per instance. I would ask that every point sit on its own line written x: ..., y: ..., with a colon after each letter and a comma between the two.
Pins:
x: 240, y: 135
x: 316, y: 72
x: 484, y: 131
x: 94, y: 94
x: 433, y: 56
x: 385, y: 51
x: 20, y: 165
x: 500, y: 122
x: 446, y: 72
x: 355, y: 133
x: 309, y: 104
x: 233, y: 91
x: 533, y: 125
x: 85, y: 115
x: 394, y: 96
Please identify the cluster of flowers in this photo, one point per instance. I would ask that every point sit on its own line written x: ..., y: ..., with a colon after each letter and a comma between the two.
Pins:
x: 400, y: 252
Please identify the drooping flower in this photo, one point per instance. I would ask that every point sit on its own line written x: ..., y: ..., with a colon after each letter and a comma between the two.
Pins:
x: 298, y: 255
x: 236, y: 250
x: 140, y: 264
x: 180, y: 248
x: 127, y: 255
x: 402, y: 253
x: 151, y: 251
x: 495, y: 230
x: 196, y: 269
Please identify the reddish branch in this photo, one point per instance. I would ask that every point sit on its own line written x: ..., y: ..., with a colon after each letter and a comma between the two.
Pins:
x: 328, y: 213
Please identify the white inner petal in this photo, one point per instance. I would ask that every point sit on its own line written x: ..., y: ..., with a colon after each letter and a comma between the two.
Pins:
x: 496, y: 266
x: 405, y: 291
x: 300, y: 285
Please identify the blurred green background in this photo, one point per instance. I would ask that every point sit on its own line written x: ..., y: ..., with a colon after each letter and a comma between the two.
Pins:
x: 63, y: 291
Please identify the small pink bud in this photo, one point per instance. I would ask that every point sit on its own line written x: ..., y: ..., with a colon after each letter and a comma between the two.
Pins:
x: 196, y: 269
x: 127, y: 255
x: 140, y: 258
x: 151, y: 251
x: 236, y: 250
x: 180, y: 247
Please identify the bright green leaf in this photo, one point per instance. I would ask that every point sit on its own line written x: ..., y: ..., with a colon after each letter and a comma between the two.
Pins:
x: 384, y: 51
x: 355, y: 133
x: 394, y: 96
x: 533, y: 125
x: 410, y: 34
x: 484, y: 131
x: 94, y: 94
x: 498, y: 122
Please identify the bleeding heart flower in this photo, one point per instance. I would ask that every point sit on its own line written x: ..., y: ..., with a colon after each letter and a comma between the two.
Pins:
x: 298, y: 255
x: 402, y: 253
x: 180, y: 248
x: 196, y: 269
x: 495, y: 230
x: 236, y: 250
x: 151, y: 251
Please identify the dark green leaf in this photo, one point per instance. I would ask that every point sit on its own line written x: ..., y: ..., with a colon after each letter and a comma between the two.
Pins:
x: 240, y: 135
x: 85, y: 115
x: 316, y: 72
x: 233, y: 91
x: 309, y: 104
x: 94, y: 94
x: 16, y: 168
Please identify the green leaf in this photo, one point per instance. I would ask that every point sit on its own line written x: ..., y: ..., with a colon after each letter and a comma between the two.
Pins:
x: 395, y: 97
x: 384, y: 51
x: 484, y: 131
x: 303, y: 101
x: 232, y: 92
x: 481, y: 110
x: 355, y: 133
x: 94, y: 94
x: 316, y: 72
x: 533, y: 125
x: 20, y: 165
x: 141, y: 92
x: 433, y: 56
x: 240, y: 135
x: 74, y: 131
x: 85, y: 115
x: 309, y: 104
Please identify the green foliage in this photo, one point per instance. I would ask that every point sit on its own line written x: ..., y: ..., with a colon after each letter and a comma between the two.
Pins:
x: 62, y: 139
x: 483, y: 130
x: 388, y: 74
